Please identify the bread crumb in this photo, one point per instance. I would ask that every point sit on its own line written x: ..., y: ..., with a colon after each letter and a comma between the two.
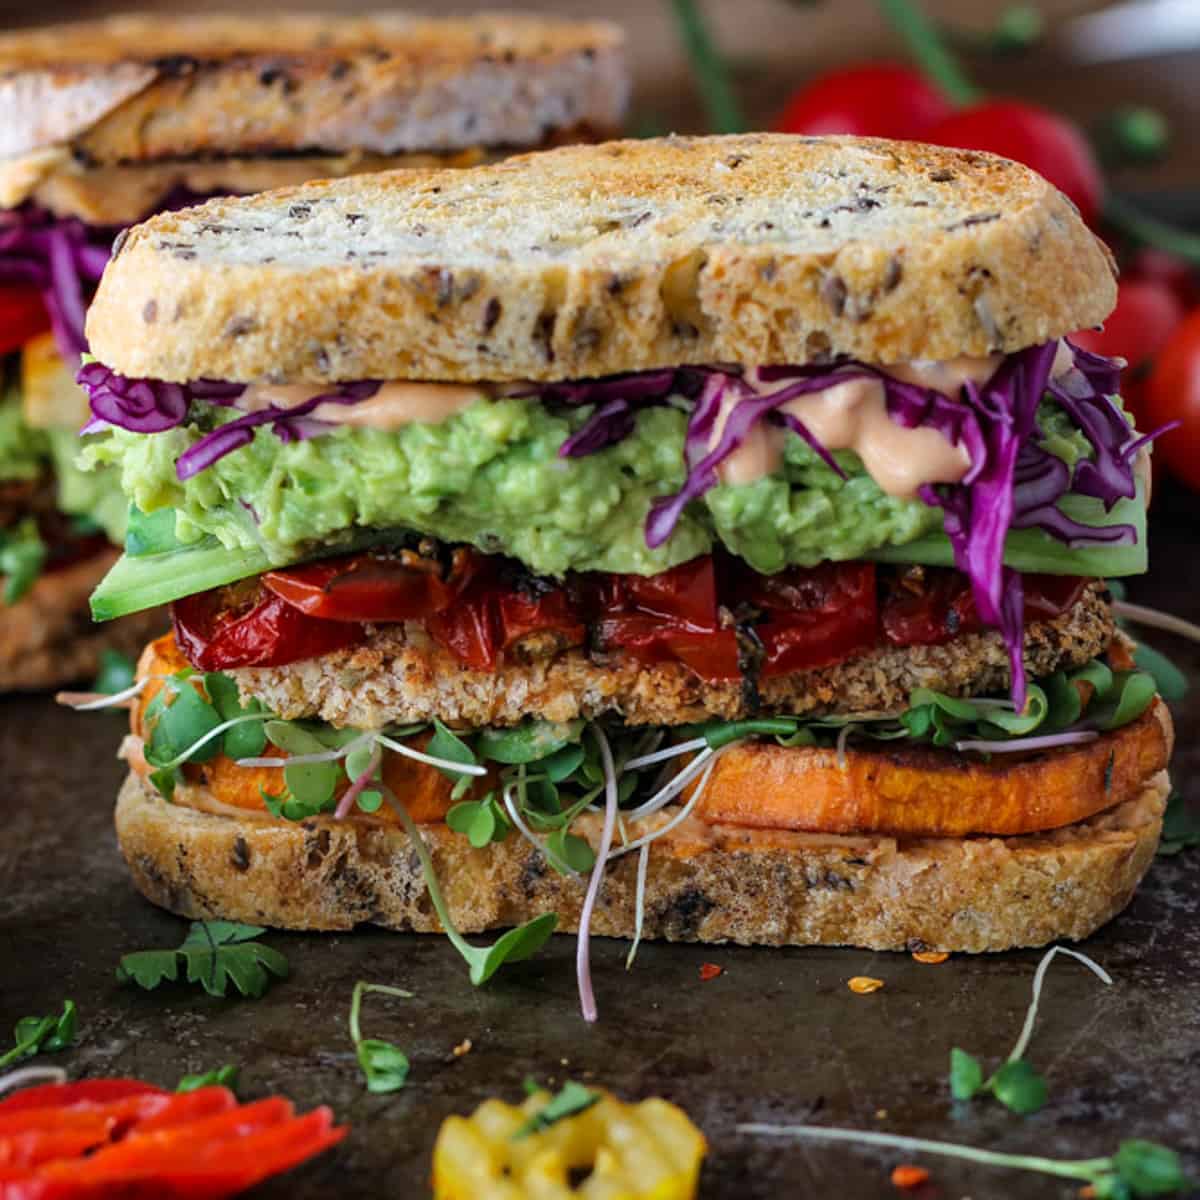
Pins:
x: 463, y: 1047
x: 862, y: 985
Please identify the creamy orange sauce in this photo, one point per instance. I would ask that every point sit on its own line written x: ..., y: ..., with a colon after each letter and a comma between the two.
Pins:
x: 392, y: 407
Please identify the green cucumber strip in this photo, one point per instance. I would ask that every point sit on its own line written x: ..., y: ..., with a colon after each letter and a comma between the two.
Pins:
x: 1034, y: 551
x: 146, y: 581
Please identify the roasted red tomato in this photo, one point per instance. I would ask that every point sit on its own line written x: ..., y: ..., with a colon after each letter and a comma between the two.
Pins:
x: 711, y: 653
x: 231, y: 627
x: 875, y: 100
x: 1173, y: 394
x: 22, y: 316
x: 935, y: 605
x: 372, y: 587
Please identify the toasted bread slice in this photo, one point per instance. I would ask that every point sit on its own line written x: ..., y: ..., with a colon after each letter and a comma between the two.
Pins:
x: 761, y: 248
x: 707, y: 883
x: 144, y: 88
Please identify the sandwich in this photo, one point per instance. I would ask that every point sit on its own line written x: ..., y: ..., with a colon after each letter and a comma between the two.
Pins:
x: 701, y: 539
x: 107, y: 122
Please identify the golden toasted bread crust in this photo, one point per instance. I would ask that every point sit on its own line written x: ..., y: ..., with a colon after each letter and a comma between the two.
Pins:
x: 704, y: 883
x: 47, y: 638
x: 760, y: 248
x: 145, y: 88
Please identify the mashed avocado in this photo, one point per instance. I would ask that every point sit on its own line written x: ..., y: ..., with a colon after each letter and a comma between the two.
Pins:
x: 491, y: 476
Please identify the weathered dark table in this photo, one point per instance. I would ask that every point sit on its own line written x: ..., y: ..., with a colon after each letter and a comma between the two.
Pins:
x: 778, y: 1037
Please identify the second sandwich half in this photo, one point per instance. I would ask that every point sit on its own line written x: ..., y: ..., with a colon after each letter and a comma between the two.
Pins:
x: 697, y: 538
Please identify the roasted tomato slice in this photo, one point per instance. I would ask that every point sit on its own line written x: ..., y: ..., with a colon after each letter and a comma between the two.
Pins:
x: 22, y: 316
x: 243, y: 627
x: 931, y: 605
x: 686, y: 594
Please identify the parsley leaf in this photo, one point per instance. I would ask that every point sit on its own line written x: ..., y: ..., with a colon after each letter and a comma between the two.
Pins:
x: 572, y: 1099
x: 214, y: 954
x: 43, y: 1035
x: 384, y: 1066
x: 225, y: 1077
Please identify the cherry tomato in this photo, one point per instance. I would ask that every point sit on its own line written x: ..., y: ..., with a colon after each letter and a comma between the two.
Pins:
x: 1181, y: 277
x: 1173, y: 393
x: 369, y: 587
x: 1138, y: 328
x: 1034, y: 136
x: 22, y: 316
x: 875, y: 100
x: 687, y: 593
x: 267, y: 632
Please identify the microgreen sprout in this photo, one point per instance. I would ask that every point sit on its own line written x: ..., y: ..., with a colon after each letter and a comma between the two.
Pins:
x: 1181, y: 827
x: 583, y: 965
x: 639, y: 904
x: 1016, y: 1084
x: 43, y: 1035
x: 226, y: 1077
x: 384, y: 1066
x: 1138, y: 1168
x: 24, y: 1076
x: 572, y: 1099
x: 484, y: 961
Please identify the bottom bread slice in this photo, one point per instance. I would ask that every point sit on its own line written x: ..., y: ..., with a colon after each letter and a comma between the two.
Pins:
x: 704, y: 883
x: 47, y: 638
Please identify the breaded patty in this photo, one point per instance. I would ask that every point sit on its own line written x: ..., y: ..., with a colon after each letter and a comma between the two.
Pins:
x: 400, y: 675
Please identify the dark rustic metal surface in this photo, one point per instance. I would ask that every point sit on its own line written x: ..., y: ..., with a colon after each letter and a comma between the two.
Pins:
x: 778, y: 1037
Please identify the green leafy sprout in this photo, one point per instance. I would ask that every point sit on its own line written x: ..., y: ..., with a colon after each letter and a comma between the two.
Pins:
x: 1138, y: 1168
x: 571, y: 1099
x: 384, y: 1066
x: 1181, y: 827
x: 214, y: 954
x: 1016, y: 1083
x: 43, y: 1035
x: 226, y: 1077
x: 116, y: 674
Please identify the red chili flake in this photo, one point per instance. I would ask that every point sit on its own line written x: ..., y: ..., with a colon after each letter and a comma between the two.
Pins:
x: 906, y: 1176
x: 710, y: 971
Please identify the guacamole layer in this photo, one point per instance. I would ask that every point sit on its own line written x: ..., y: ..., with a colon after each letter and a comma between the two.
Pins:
x: 491, y: 476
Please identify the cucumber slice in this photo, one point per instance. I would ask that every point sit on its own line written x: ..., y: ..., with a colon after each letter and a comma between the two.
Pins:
x: 1034, y: 551
x: 148, y: 580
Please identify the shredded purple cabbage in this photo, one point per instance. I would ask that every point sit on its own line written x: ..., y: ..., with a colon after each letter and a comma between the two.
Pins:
x: 288, y: 424
x: 145, y: 405
x: 63, y: 258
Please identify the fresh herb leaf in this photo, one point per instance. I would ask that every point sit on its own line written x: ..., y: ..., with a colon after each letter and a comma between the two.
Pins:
x: 43, y: 1035
x: 480, y: 821
x: 247, y: 740
x: 370, y: 801
x: 225, y: 1077
x: 448, y: 745
x: 1181, y: 827
x: 1172, y: 683
x: 566, y: 850
x: 574, y: 1098
x: 117, y: 672
x: 528, y: 742
x: 214, y: 954
x: 1149, y: 1169
x: 966, y: 1075
x: 182, y: 719
x: 384, y: 1066
x: 1019, y: 1087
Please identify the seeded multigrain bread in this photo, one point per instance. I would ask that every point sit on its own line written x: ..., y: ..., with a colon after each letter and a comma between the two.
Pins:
x: 139, y: 89
x: 706, y: 883
x: 629, y: 255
